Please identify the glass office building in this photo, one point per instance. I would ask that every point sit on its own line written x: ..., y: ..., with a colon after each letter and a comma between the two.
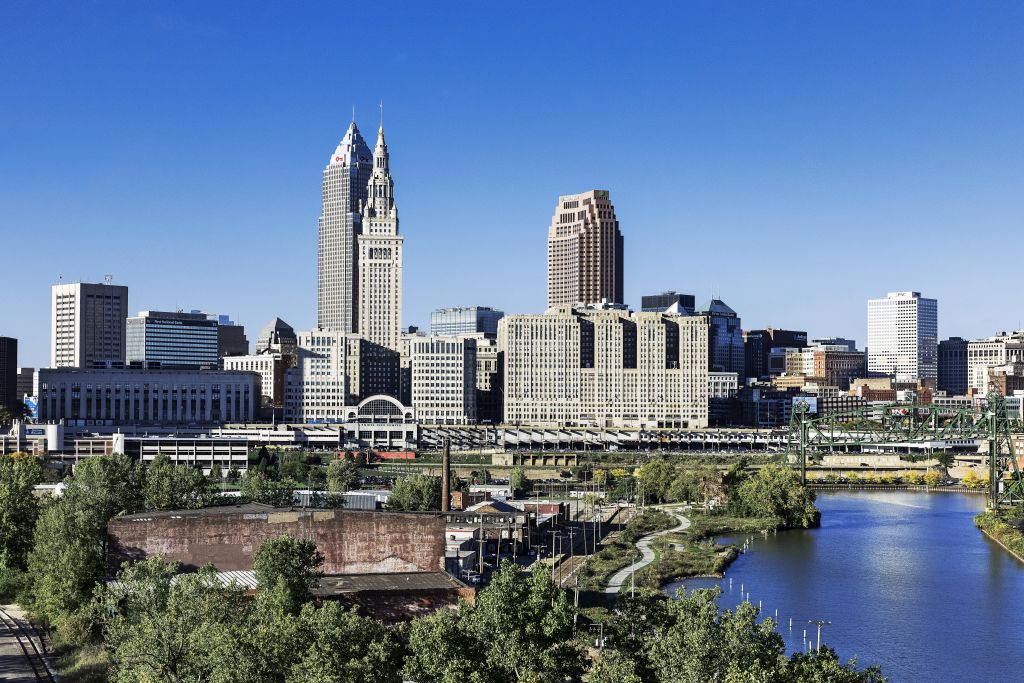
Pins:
x: 163, y: 339
x: 451, y: 322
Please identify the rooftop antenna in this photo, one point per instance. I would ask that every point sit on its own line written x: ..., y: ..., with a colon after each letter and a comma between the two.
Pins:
x: 382, y: 114
x: 353, y: 113
x: 108, y: 279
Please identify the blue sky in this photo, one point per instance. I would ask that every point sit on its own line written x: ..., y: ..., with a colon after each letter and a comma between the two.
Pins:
x: 796, y: 157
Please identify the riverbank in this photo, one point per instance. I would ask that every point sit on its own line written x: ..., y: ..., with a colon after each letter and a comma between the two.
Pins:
x: 1005, y: 531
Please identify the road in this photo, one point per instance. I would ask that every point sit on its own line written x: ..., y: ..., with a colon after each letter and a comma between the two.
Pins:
x: 19, y: 658
x: 644, y: 545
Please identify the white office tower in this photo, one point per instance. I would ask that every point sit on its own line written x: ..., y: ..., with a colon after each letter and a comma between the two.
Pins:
x: 444, y: 380
x: 380, y: 256
x: 903, y: 337
x: 88, y: 325
x: 345, y: 182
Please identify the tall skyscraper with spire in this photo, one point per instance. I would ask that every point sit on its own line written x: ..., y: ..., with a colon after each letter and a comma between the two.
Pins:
x: 346, y: 178
x: 380, y: 255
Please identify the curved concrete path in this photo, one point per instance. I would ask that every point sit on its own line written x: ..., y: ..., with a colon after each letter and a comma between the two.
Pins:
x: 644, y: 545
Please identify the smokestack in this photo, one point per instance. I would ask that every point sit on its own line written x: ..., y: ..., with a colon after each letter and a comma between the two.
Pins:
x: 446, y: 475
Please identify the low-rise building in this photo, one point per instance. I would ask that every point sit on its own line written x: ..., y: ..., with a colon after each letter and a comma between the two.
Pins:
x: 147, y: 396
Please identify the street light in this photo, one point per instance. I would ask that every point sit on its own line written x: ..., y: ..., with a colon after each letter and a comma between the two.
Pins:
x: 819, y: 623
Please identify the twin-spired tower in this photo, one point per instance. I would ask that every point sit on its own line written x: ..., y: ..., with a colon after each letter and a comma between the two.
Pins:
x: 359, y: 250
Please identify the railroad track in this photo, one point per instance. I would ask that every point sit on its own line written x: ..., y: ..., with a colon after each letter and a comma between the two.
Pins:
x: 34, y: 651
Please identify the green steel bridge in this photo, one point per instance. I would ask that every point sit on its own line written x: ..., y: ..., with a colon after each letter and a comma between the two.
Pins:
x: 811, y: 436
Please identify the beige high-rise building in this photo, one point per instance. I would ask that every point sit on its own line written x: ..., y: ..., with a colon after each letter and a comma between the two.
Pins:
x: 88, y: 324
x: 380, y: 256
x: 605, y: 367
x: 584, y: 251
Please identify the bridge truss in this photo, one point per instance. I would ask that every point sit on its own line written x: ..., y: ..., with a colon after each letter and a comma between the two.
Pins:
x: 851, y: 430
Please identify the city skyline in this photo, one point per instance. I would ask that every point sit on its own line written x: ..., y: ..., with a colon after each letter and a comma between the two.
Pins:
x: 863, y: 174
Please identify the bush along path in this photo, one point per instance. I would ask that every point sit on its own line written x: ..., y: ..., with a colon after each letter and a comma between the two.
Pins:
x: 644, y: 546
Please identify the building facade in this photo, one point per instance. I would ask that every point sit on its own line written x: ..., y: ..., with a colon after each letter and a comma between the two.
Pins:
x: 146, y: 397
x: 169, y: 339
x: 725, y: 338
x: 26, y: 382
x: 759, y: 344
x: 345, y: 182
x: 379, y: 258
x: 903, y: 331
x: 9, y: 395
x: 452, y: 322
x: 604, y: 368
x: 444, y: 379
x: 88, y: 324
x: 952, y: 366
x: 335, y: 370
x: 1002, y: 349
x: 231, y: 339
x: 271, y: 368
x: 277, y: 336
x: 584, y: 251
x: 832, y: 366
x: 670, y: 302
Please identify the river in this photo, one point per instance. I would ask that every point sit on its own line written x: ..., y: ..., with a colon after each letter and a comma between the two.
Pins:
x: 905, y: 578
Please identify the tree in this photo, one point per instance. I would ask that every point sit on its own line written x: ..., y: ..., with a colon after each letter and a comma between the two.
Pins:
x: 656, y: 477
x: 20, y: 411
x: 415, y: 493
x: 107, y: 486
x: 776, y: 491
x: 345, y: 648
x: 825, y: 667
x: 614, y: 666
x: 932, y: 478
x: 292, y: 562
x: 519, y: 482
x: 216, y: 475
x: 342, y: 475
x: 257, y: 488
x: 914, y: 478
x: 523, y: 624
x: 971, y: 479
x: 175, y: 487
x: 440, y: 651
x: 19, y: 507
x: 167, y: 628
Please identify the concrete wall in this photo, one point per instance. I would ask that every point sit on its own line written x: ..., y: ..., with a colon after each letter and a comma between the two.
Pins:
x: 352, y: 542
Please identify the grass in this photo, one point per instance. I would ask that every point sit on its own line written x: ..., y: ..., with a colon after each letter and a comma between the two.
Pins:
x: 1007, y: 527
x: 620, y: 550
x: 85, y: 664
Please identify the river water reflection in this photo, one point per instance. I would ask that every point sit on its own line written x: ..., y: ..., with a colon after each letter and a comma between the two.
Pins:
x: 905, y: 578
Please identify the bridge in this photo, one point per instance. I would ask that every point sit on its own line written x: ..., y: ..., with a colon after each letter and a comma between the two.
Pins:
x: 810, y: 436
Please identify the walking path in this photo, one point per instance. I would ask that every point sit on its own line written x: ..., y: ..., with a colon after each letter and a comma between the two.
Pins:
x: 644, y: 545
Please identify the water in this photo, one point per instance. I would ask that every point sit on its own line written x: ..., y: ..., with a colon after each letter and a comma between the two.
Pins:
x: 905, y: 578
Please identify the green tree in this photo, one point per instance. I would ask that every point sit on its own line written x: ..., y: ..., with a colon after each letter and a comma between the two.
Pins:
x: 345, y: 648
x: 161, y: 627
x: 216, y: 474
x: 523, y: 623
x: 19, y: 507
x: 440, y: 651
x: 175, y: 487
x: 415, y: 493
x: 825, y: 667
x: 342, y: 475
x: 776, y: 491
x: 107, y: 486
x: 258, y: 488
x: 519, y: 482
x: 656, y: 477
x: 614, y: 666
x: 292, y: 562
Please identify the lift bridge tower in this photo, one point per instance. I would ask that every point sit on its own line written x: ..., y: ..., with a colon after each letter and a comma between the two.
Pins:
x: 849, y: 431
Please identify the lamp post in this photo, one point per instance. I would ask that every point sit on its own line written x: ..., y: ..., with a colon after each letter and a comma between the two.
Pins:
x: 819, y: 623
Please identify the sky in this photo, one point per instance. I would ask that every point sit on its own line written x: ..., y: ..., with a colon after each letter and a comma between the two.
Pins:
x: 793, y: 158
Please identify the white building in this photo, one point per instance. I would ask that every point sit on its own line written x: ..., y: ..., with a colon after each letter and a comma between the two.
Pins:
x: 334, y: 370
x: 605, y: 367
x: 444, y: 379
x: 903, y: 336
x: 1005, y: 348
x: 723, y: 384
x: 88, y: 325
x: 270, y: 367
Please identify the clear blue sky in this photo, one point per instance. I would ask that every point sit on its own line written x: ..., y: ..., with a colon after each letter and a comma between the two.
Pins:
x: 796, y: 157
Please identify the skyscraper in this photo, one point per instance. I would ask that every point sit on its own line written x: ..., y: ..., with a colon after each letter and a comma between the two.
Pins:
x: 465, y: 320
x: 725, y: 338
x: 379, y: 259
x: 903, y: 336
x: 345, y: 181
x: 952, y: 366
x: 584, y: 251
x: 168, y: 339
x: 9, y: 373
x: 88, y: 324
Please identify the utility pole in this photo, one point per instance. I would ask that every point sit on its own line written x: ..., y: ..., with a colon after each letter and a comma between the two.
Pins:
x: 820, y: 623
